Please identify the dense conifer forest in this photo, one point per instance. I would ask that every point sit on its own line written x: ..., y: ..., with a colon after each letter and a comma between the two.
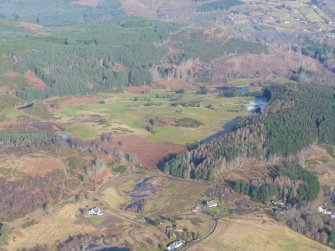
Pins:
x: 51, y: 12
x: 290, y: 182
x: 98, y: 57
x: 296, y: 116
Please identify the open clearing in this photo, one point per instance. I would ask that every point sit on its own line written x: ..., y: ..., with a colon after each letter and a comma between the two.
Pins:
x: 114, y: 198
x: 33, y: 164
x: 317, y: 159
x: 126, y: 113
x: 256, y: 233
x: 34, y: 80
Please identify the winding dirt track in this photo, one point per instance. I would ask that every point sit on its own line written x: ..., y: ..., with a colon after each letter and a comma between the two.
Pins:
x: 215, y: 224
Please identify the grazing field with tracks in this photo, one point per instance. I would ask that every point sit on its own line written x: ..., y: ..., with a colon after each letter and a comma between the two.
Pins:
x: 256, y: 233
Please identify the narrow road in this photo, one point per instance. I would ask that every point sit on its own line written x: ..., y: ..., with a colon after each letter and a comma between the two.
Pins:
x: 135, y: 224
x: 215, y: 224
x: 106, y: 186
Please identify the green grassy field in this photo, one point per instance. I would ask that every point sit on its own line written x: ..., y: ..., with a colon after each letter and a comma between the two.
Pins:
x: 243, y: 82
x: 132, y: 112
x: 81, y: 131
x: 256, y: 233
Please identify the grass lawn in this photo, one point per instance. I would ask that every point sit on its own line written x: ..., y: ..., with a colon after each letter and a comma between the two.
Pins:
x: 217, y: 212
x: 97, y: 220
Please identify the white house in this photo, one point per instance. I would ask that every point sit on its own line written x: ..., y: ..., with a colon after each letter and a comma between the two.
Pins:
x: 277, y: 202
x: 322, y: 210
x: 94, y: 211
x: 175, y: 245
x: 326, y: 211
x: 211, y: 203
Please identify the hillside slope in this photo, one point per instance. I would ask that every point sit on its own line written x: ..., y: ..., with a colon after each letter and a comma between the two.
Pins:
x: 49, y: 12
x: 296, y: 116
x: 256, y: 233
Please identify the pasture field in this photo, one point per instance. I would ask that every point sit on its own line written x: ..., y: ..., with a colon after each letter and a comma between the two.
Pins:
x: 82, y: 131
x: 50, y: 228
x: 130, y: 113
x: 251, y: 233
x: 114, y: 198
x: 243, y: 82
x: 312, y: 15
x: 176, y: 197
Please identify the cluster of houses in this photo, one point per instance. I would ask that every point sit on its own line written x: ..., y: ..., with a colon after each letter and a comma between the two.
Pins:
x: 206, y: 204
x: 327, y: 211
x: 279, y: 207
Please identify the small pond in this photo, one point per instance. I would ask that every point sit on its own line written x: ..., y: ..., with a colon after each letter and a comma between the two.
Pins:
x: 244, y: 89
x: 255, y: 105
